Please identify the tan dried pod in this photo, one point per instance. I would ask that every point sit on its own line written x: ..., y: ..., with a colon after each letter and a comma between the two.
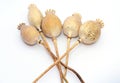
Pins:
x: 34, y: 16
x: 71, y: 29
x: 51, y: 24
x: 71, y: 25
x: 29, y: 34
x: 52, y: 27
x: 90, y: 31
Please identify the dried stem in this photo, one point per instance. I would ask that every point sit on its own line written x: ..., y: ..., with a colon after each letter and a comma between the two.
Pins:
x: 61, y: 74
x: 55, y: 58
x: 57, y: 54
x: 67, y: 56
x: 58, y: 65
x: 67, y: 67
x: 55, y: 45
x: 58, y: 60
x: 52, y: 55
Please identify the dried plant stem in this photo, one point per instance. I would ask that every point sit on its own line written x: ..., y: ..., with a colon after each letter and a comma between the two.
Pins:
x: 57, y: 54
x: 67, y: 56
x: 61, y: 74
x: 55, y: 45
x: 58, y: 65
x: 53, y: 56
x: 58, y: 60
x: 67, y: 67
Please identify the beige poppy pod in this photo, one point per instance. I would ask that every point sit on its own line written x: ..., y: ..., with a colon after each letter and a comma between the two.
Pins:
x: 34, y: 16
x: 51, y: 24
x: 29, y: 34
x: 90, y: 31
x: 71, y: 25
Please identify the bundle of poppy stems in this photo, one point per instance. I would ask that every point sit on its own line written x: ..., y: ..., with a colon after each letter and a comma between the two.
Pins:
x: 50, y: 26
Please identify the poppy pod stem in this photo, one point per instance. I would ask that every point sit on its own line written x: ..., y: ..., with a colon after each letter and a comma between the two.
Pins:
x: 58, y: 60
x: 54, y: 58
x: 67, y: 56
x: 47, y: 46
x: 55, y: 45
x: 65, y: 66
x: 57, y: 54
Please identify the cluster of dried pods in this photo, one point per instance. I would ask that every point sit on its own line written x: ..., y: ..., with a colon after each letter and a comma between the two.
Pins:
x: 51, y: 26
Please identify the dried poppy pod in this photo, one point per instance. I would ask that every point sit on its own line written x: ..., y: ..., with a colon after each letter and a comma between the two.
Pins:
x: 71, y: 29
x: 51, y: 24
x: 52, y: 27
x: 34, y: 16
x: 71, y: 25
x: 29, y: 34
x: 90, y: 31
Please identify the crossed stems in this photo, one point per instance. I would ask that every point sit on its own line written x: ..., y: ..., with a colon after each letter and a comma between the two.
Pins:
x: 45, y: 44
x: 57, y: 60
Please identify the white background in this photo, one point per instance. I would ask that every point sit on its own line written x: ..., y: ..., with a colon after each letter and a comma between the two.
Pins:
x: 97, y: 63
